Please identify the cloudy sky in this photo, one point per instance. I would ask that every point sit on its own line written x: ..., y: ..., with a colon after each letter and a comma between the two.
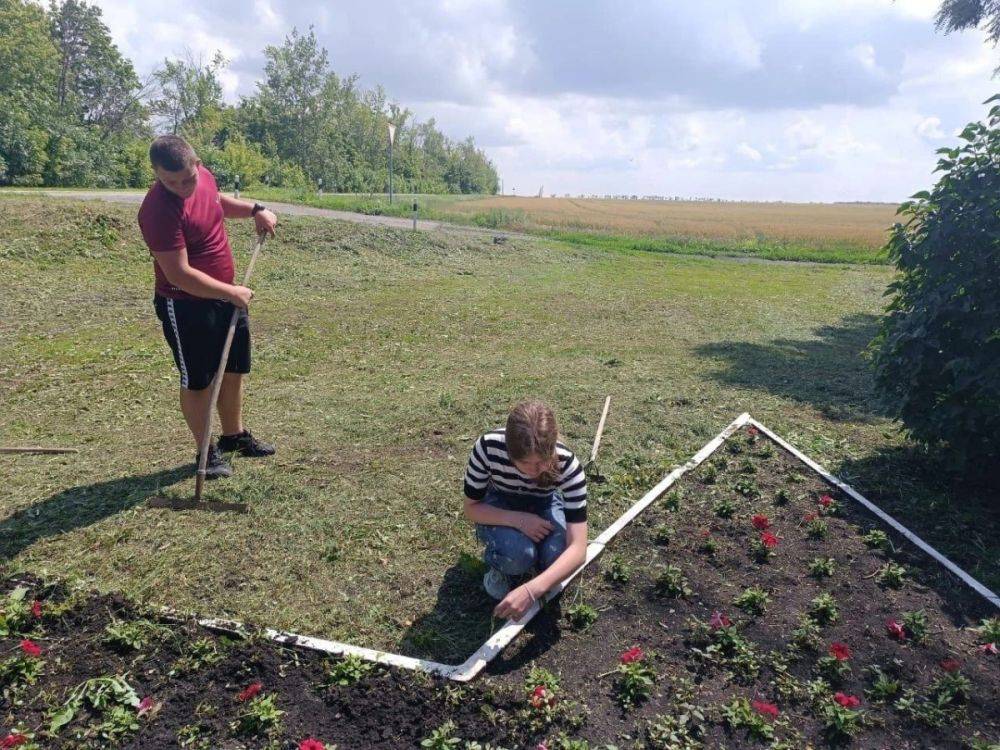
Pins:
x: 806, y: 100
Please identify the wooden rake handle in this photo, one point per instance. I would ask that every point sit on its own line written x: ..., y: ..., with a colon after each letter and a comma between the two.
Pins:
x: 220, y: 373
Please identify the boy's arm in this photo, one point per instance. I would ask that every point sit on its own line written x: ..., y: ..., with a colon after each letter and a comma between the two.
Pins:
x: 175, y: 267
x: 234, y: 208
x: 519, y: 600
x: 534, y: 527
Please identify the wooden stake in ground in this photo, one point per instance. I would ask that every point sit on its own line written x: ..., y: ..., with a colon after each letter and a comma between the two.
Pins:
x: 600, y: 430
x: 37, y: 449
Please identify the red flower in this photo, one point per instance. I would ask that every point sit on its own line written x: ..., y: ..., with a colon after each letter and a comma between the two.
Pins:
x: 311, y: 744
x: 847, y: 701
x: 896, y: 630
x: 760, y: 522
x: 765, y: 709
x: 540, y: 697
x: 632, y: 655
x: 36, y: 609
x: 752, y: 431
x: 840, y: 651
x: 13, y: 740
x: 950, y: 665
x: 31, y: 648
x: 769, y: 540
x: 989, y: 648
x: 250, y: 691
x: 719, y: 620
x: 706, y: 533
x: 826, y: 501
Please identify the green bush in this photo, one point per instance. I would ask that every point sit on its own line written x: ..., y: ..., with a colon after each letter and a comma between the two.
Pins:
x: 937, y: 356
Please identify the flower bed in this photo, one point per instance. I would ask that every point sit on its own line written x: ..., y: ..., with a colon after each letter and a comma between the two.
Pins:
x: 749, y: 607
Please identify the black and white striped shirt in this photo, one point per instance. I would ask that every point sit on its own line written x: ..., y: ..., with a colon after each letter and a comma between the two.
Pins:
x: 490, y: 463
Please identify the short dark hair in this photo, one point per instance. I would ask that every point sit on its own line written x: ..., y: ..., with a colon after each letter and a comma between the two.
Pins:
x: 172, y: 153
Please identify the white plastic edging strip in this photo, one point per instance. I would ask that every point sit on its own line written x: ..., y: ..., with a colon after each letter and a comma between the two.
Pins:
x: 952, y: 568
x: 499, y: 640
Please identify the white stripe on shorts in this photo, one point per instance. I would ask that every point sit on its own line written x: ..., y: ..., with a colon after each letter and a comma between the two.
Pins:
x: 177, y: 336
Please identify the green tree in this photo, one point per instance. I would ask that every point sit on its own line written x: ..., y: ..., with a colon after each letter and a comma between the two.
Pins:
x: 958, y: 15
x: 188, y: 96
x: 28, y: 73
x: 937, y: 357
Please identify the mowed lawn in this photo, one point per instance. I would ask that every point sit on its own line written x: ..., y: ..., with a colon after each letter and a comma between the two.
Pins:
x: 380, y: 356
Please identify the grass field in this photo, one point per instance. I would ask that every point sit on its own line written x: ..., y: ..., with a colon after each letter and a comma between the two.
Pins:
x: 827, y: 232
x: 379, y: 356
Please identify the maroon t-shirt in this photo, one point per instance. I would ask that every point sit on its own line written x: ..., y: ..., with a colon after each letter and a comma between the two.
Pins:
x: 170, y: 223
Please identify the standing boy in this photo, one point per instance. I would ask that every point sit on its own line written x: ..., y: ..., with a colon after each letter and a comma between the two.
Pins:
x: 181, y: 219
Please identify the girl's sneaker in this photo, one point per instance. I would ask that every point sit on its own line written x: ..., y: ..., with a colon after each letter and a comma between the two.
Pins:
x: 497, y: 584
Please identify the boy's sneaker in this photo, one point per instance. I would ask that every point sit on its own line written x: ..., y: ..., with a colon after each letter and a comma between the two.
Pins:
x: 216, y: 466
x: 245, y: 444
x: 497, y: 584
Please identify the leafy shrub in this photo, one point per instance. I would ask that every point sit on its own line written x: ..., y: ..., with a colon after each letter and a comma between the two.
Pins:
x: 937, y: 356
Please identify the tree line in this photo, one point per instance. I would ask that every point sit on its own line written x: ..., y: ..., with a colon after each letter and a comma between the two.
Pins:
x: 74, y: 112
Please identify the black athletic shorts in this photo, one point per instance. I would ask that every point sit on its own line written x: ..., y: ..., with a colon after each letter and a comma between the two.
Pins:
x: 196, y: 331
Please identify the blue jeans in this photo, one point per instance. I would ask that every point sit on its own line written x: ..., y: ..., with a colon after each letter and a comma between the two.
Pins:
x: 510, y: 551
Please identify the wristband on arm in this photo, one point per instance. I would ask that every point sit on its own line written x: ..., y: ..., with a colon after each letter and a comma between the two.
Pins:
x: 256, y: 207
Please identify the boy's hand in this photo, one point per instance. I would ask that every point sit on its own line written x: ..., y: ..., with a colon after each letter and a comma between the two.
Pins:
x: 515, y: 604
x: 534, y: 527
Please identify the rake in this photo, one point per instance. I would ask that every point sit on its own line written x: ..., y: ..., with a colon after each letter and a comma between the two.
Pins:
x: 196, y: 503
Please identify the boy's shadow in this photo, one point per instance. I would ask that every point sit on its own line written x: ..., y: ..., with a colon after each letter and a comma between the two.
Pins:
x: 80, y: 506
x: 461, y: 621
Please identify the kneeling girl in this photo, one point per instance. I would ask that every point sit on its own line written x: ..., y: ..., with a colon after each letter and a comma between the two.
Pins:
x: 527, y: 494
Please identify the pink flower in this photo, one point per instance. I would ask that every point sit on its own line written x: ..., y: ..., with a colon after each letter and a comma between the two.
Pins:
x: 769, y: 540
x: 989, y: 648
x: 705, y: 533
x: 146, y: 705
x: 36, y: 609
x: 752, y: 431
x: 541, y: 746
x: 840, y: 651
x: 896, y: 630
x: 31, y: 648
x: 826, y: 501
x: 847, y: 701
x: 540, y: 697
x: 760, y: 522
x: 719, y: 620
x: 13, y: 740
x: 311, y: 744
x: 250, y: 691
x: 765, y: 709
x: 950, y: 665
x: 632, y: 655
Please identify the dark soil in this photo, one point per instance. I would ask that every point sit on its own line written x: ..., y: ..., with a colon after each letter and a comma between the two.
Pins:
x: 196, y: 696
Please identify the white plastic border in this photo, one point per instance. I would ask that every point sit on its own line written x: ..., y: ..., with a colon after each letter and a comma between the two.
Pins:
x: 472, y: 666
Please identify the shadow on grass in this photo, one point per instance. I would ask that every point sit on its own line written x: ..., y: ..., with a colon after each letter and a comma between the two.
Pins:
x: 826, y: 372
x: 81, y: 506
x: 919, y: 489
x: 462, y: 620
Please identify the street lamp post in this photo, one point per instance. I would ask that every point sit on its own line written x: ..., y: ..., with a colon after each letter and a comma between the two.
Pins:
x: 392, y: 137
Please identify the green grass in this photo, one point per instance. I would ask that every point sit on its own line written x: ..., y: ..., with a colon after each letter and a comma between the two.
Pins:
x: 379, y: 357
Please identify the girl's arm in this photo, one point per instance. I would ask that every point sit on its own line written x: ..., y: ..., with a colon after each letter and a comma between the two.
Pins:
x: 534, y: 527
x: 519, y: 600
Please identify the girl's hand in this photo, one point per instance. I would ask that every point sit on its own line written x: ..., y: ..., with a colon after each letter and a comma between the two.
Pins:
x: 534, y: 527
x: 515, y: 604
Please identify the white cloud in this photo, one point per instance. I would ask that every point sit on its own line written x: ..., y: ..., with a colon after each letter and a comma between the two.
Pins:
x: 930, y: 128
x: 745, y: 149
